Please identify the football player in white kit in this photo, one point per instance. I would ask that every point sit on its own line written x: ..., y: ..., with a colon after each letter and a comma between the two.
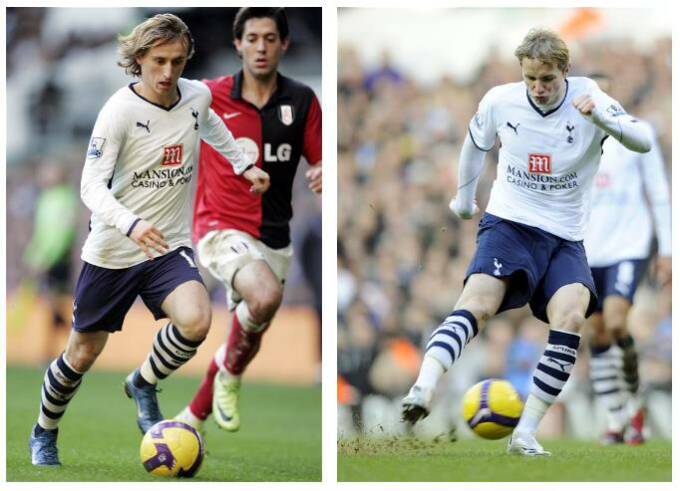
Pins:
x: 136, y: 181
x: 529, y: 244
x: 629, y: 189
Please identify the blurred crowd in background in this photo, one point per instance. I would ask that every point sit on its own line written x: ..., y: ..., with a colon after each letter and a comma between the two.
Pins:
x: 61, y: 69
x: 402, y: 255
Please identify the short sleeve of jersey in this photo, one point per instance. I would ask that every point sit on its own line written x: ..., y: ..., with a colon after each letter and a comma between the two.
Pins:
x: 483, y: 124
x: 312, y: 137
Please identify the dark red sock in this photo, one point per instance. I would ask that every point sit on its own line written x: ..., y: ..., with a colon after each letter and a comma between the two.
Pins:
x: 201, y: 404
x: 242, y: 347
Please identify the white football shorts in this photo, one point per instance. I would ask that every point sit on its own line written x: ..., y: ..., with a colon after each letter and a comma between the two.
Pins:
x: 225, y: 252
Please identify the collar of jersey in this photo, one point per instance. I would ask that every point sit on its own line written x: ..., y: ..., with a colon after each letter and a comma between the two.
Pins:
x: 548, y: 113
x: 278, y: 94
x: 165, y: 108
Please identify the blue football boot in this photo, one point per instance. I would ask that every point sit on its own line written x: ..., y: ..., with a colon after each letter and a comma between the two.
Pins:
x: 148, y: 413
x: 43, y: 447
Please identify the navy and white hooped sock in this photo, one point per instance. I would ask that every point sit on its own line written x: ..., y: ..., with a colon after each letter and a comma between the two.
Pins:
x: 59, y: 386
x: 447, y: 341
x: 555, y: 365
x: 170, y: 351
x: 550, y: 375
x: 606, y: 376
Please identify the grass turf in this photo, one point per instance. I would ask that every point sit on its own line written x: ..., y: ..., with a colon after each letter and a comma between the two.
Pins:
x: 279, y: 440
x: 410, y: 459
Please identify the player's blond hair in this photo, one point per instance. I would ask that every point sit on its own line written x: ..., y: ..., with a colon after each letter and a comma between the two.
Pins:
x: 546, y: 46
x: 161, y: 27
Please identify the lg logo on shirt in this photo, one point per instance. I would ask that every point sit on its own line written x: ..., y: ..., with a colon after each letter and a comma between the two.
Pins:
x: 282, y: 154
x: 539, y: 163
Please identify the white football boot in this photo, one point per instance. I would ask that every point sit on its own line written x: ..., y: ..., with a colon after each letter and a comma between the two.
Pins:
x: 186, y: 416
x: 526, y: 444
x: 416, y: 405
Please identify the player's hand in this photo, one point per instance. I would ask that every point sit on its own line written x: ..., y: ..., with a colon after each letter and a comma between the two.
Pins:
x: 258, y: 178
x: 585, y: 105
x: 313, y: 175
x: 148, y: 238
x: 463, y: 210
x: 664, y: 270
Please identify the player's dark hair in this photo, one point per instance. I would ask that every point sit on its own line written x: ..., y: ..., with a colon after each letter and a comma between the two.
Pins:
x: 277, y: 14
x: 161, y: 27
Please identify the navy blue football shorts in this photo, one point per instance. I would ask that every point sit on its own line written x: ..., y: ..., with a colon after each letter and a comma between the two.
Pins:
x: 536, y: 262
x: 104, y: 296
x: 620, y: 279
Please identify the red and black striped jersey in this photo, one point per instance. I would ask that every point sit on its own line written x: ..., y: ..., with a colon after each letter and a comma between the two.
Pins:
x: 274, y: 137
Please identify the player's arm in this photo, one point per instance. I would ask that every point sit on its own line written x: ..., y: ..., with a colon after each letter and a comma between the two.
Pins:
x: 480, y: 139
x: 217, y: 135
x: 311, y: 148
x: 470, y: 167
x: 658, y: 194
x: 100, y: 162
x: 614, y: 121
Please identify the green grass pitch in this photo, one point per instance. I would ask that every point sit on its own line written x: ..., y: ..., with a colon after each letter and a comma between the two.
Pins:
x: 279, y: 439
x: 409, y: 459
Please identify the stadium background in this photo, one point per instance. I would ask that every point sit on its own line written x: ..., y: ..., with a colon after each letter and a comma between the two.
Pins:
x: 407, y: 88
x: 61, y: 69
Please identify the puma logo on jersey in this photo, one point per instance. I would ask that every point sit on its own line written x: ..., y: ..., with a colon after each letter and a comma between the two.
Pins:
x: 514, y: 128
x: 230, y: 115
x: 194, y: 113
x: 145, y: 126
x: 570, y: 128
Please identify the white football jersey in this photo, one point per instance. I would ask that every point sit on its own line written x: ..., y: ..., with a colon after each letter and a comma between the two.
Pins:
x: 626, y: 186
x: 139, y: 165
x: 547, y: 160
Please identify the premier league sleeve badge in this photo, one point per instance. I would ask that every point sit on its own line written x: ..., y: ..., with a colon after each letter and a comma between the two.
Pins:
x: 96, y: 147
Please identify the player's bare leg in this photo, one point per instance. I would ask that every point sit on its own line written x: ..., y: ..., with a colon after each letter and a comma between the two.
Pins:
x: 62, y: 379
x: 188, y: 308
x: 262, y: 292
x: 480, y: 299
x: 566, y: 312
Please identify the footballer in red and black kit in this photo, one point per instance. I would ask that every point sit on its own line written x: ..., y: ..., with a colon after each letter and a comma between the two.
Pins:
x: 242, y: 238
x: 274, y: 137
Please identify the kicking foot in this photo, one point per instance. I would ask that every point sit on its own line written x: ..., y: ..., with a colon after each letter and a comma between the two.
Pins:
x: 148, y: 413
x: 43, y: 446
x: 416, y: 405
x: 225, y: 402
x: 525, y: 444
